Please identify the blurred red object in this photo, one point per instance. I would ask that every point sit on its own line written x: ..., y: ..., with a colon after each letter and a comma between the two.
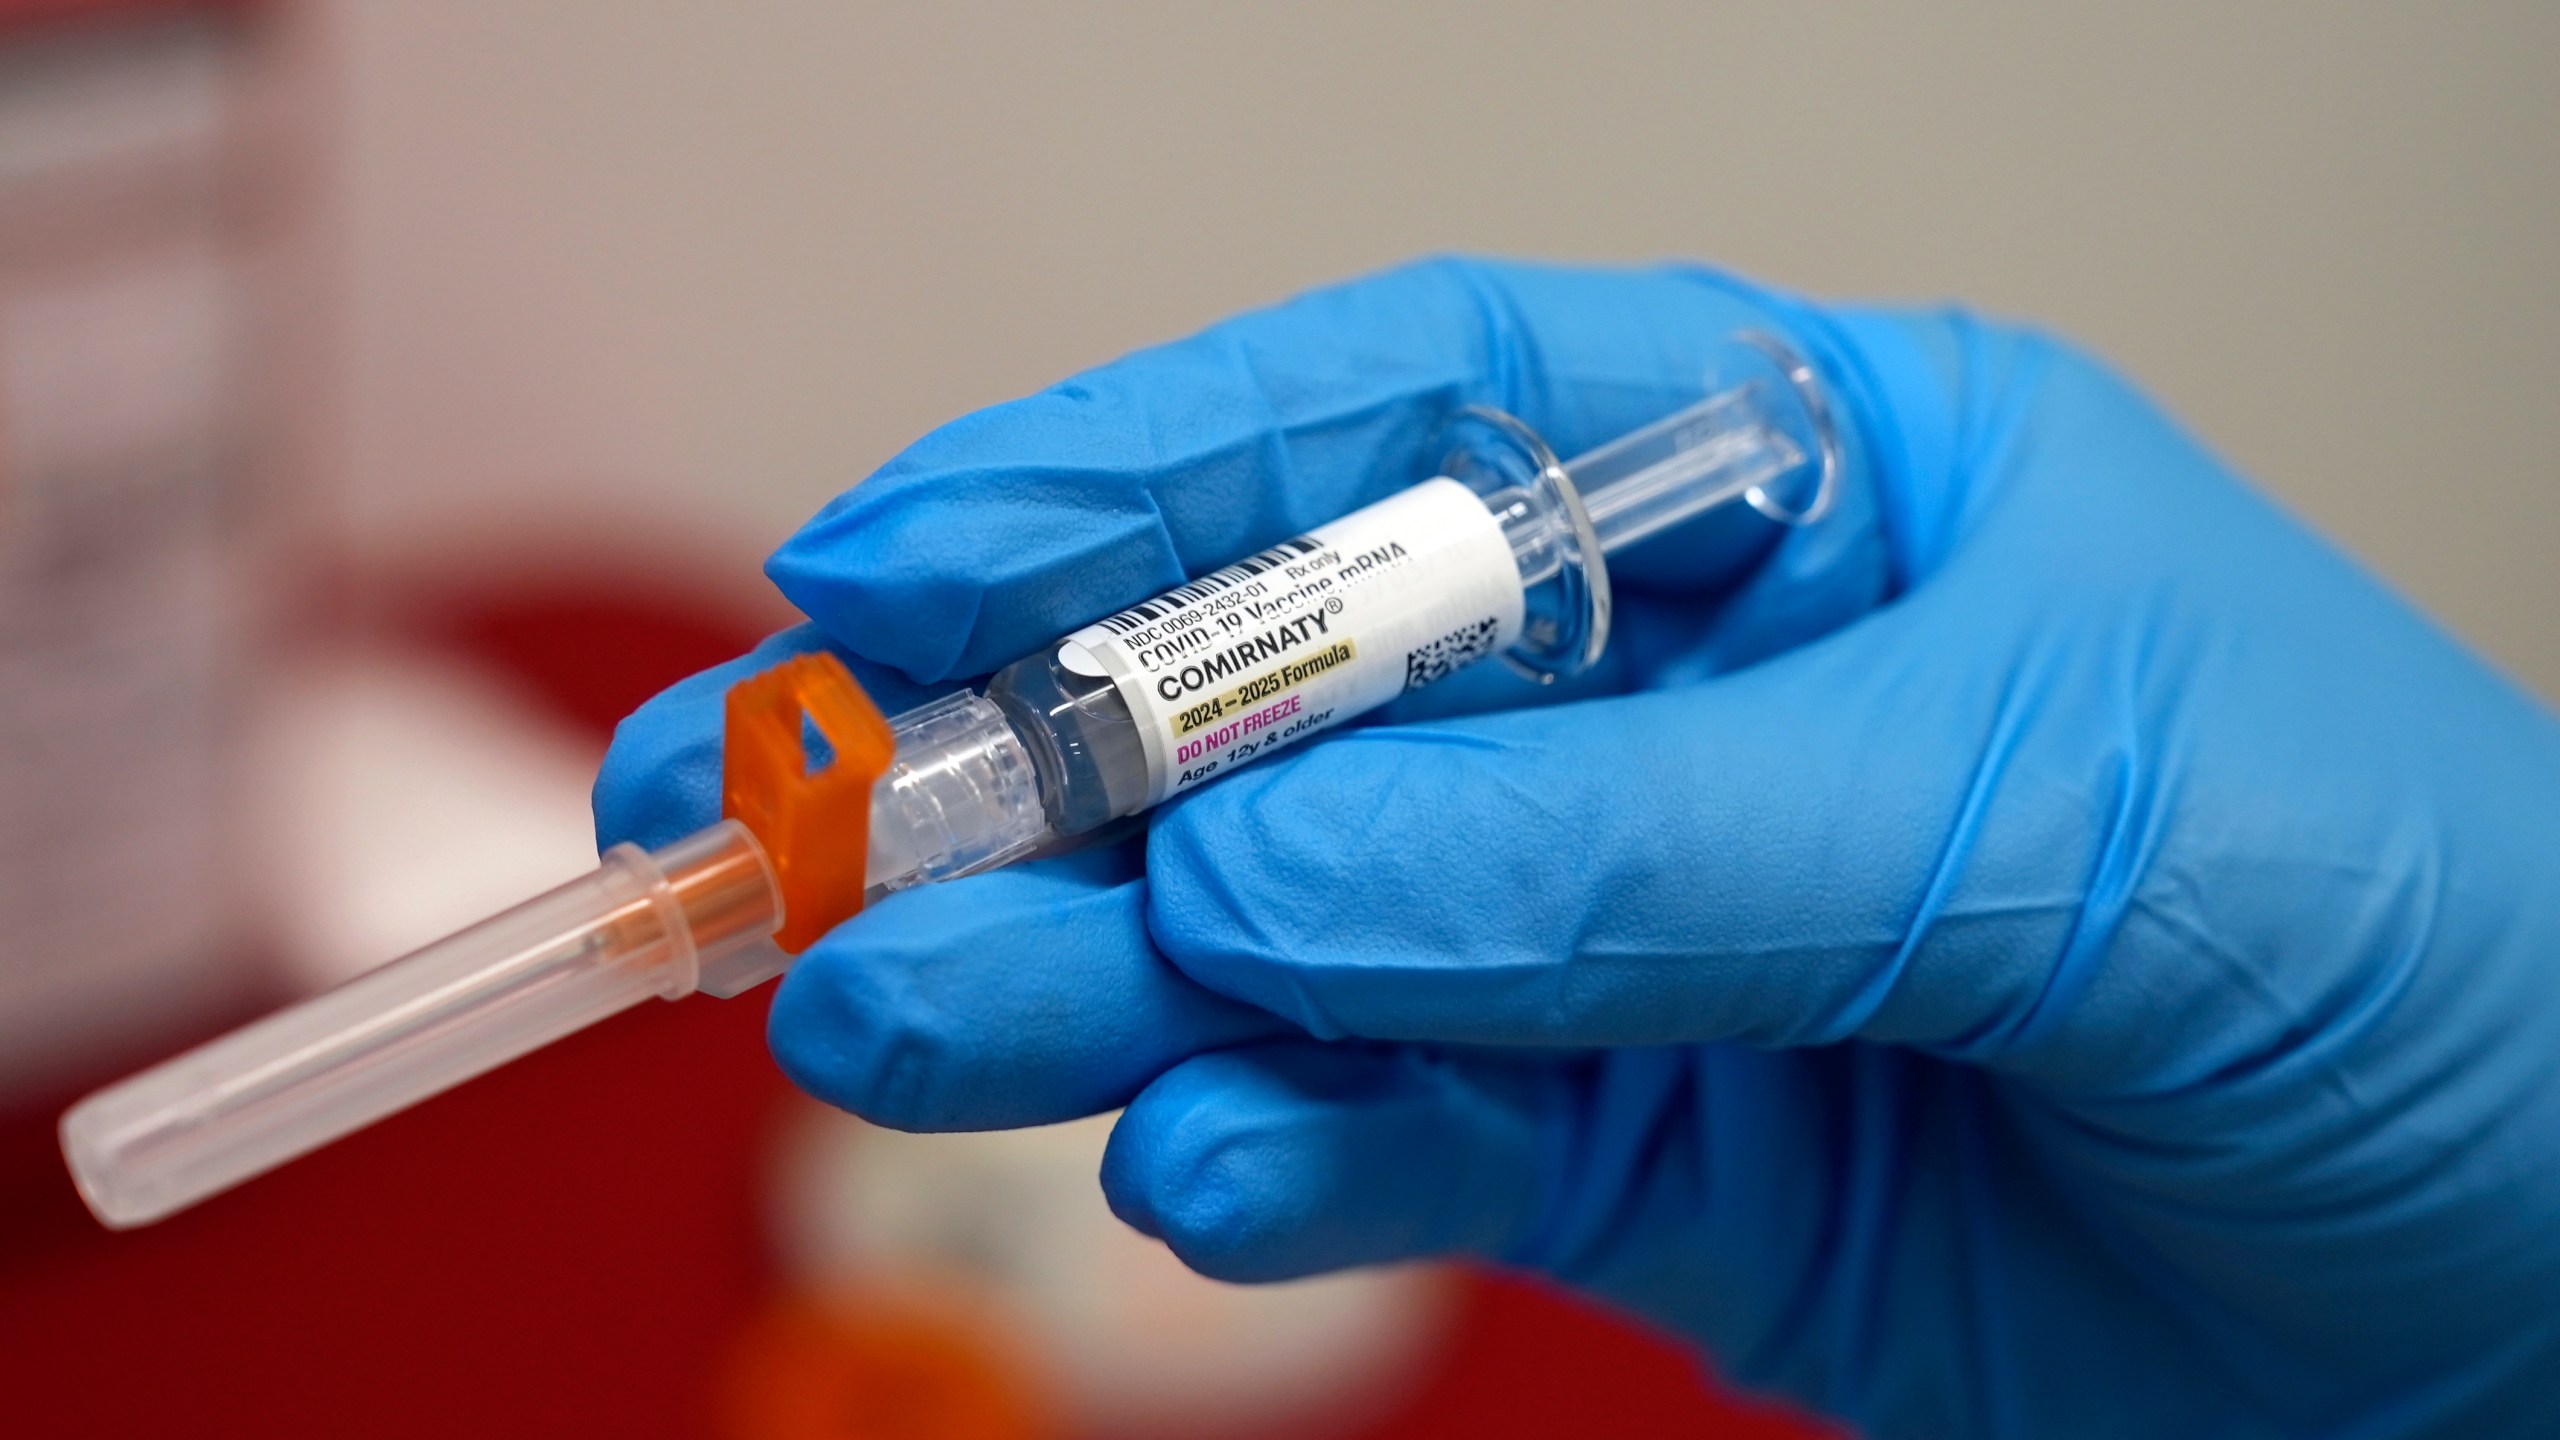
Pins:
x: 807, y: 1371
x: 573, y: 1245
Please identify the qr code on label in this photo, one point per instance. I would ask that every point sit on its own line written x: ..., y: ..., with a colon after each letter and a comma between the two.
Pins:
x: 1427, y: 663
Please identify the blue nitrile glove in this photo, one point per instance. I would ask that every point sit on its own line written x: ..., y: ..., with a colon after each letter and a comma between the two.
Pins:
x: 2051, y: 949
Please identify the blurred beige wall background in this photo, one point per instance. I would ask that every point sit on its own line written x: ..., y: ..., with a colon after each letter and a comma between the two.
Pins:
x: 662, y: 264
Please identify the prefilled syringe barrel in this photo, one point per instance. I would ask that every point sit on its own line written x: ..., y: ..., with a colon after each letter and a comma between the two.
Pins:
x: 1503, y: 553
x: 467, y: 1004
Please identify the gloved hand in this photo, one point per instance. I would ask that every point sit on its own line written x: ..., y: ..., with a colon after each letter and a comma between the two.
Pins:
x: 2051, y: 949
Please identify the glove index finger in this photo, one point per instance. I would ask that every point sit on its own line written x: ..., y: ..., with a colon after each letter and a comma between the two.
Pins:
x: 1012, y: 526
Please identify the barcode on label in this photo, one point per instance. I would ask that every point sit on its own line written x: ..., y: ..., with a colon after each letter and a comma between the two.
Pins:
x: 1460, y: 647
x: 1207, y: 585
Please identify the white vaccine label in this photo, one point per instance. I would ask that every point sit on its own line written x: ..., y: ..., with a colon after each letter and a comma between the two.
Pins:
x: 1308, y: 633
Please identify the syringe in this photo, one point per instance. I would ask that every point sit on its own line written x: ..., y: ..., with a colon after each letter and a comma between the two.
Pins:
x: 1500, y: 553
